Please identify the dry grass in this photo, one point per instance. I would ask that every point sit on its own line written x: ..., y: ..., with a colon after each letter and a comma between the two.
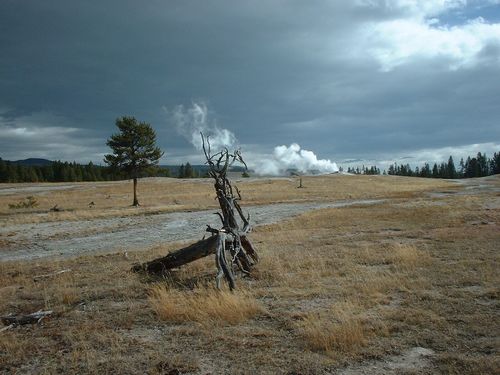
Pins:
x: 408, y: 256
x: 335, y: 287
x: 203, y: 305
x: 337, y: 329
x: 169, y: 194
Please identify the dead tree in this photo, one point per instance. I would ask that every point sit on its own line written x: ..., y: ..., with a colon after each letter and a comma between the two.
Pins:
x: 15, y: 320
x: 231, y: 245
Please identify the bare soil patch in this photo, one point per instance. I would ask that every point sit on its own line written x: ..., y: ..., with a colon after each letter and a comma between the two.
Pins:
x: 69, y: 238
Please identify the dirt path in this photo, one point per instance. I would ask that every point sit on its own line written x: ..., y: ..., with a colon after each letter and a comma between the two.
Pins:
x: 68, y: 238
x: 31, y: 241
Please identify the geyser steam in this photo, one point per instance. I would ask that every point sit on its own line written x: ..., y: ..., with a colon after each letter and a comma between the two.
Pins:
x: 293, y: 157
x: 195, y: 119
x: 192, y: 121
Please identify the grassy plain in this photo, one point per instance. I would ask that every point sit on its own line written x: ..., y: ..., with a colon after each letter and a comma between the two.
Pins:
x: 171, y: 194
x: 410, y: 286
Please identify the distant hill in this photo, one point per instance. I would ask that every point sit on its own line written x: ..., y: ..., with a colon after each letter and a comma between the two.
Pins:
x: 33, y: 162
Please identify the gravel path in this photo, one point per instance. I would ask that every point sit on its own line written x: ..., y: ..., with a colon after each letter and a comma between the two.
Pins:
x: 66, y: 238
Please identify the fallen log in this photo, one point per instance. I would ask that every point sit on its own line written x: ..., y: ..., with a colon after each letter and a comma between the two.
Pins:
x: 18, y: 320
x: 48, y: 275
x: 7, y: 328
x: 180, y: 257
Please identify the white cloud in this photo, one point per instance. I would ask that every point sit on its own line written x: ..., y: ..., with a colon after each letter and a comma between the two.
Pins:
x: 442, y: 154
x: 43, y: 125
x: 414, y: 8
x: 45, y: 135
x: 414, y: 35
x: 429, y: 155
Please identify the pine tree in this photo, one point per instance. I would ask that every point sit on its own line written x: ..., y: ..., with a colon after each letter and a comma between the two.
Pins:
x: 392, y: 170
x: 451, y: 171
x: 3, y: 171
x: 134, y: 149
x: 435, y: 171
x: 181, y: 173
x: 188, y: 171
x: 426, y: 171
x: 461, y: 172
x: 495, y: 163
x: 482, y: 164
x: 471, y: 168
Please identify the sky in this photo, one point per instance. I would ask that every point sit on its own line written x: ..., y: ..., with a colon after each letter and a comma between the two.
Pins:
x: 354, y: 82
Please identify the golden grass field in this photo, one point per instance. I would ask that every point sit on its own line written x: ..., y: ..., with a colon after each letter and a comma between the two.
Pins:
x: 170, y: 194
x: 407, y: 286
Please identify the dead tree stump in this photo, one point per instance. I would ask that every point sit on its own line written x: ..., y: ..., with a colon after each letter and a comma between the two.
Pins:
x: 230, y: 244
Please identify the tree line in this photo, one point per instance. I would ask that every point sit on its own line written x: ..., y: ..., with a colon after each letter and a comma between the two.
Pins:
x: 478, y: 166
x: 363, y: 170
x: 187, y: 171
x: 135, y: 154
x: 58, y: 171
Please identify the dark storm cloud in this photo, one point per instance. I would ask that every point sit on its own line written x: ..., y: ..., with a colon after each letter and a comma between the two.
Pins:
x: 333, y: 77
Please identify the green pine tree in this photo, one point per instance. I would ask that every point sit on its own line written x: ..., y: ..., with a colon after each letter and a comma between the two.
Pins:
x: 134, y: 150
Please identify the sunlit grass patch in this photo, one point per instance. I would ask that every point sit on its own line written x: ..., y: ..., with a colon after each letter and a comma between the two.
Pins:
x: 409, y: 256
x: 337, y: 329
x: 203, y: 305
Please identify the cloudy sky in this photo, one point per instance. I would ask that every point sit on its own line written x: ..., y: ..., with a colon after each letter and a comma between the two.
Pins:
x: 368, y: 80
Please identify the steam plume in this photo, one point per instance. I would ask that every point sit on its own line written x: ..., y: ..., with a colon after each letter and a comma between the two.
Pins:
x: 293, y: 157
x: 192, y: 121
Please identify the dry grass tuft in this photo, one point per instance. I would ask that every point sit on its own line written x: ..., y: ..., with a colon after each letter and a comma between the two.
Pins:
x: 408, y: 256
x: 177, y: 364
x: 339, y: 329
x: 203, y: 305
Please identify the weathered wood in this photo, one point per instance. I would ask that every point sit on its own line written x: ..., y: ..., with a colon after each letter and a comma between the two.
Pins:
x: 230, y: 243
x: 224, y: 268
x: 250, y: 250
x: 48, y: 275
x: 243, y: 254
x: 10, y: 326
x: 180, y: 257
x: 16, y: 320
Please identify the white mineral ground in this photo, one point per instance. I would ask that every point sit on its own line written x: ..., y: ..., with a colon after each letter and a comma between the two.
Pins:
x: 65, y: 238
x: 120, y: 234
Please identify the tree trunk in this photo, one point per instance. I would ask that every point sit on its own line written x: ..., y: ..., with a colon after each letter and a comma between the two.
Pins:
x: 180, y: 257
x: 136, y: 202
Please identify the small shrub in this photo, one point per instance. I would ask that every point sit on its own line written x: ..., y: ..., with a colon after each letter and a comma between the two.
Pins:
x: 28, y: 202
